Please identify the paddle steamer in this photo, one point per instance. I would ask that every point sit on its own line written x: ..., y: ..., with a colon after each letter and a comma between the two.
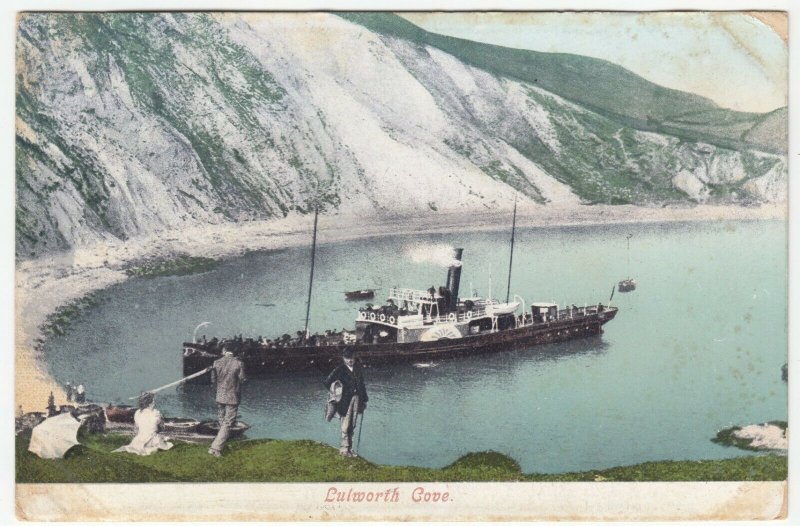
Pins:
x: 415, y: 326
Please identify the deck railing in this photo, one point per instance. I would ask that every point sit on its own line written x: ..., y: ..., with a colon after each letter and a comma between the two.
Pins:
x: 457, y: 316
x: 478, y: 310
x: 411, y: 295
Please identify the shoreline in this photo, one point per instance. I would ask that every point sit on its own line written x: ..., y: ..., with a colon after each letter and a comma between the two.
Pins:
x: 47, y: 283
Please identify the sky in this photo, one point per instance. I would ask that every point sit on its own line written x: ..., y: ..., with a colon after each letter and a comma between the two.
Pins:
x: 733, y: 59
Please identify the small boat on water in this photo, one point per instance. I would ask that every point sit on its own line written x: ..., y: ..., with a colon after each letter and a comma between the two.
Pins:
x: 211, y: 428
x: 177, y: 425
x: 363, y: 294
x: 120, y: 413
x: 184, y: 429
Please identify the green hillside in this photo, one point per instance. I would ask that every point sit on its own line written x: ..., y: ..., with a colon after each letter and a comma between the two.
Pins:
x: 601, y: 86
x: 133, y: 124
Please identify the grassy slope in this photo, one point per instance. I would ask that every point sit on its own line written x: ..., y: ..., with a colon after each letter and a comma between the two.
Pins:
x: 308, y: 461
x: 599, y: 85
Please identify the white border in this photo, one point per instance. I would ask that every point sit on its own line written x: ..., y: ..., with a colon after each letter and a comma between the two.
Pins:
x: 8, y: 26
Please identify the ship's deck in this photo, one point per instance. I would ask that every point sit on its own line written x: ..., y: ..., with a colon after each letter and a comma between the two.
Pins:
x: 348, y: 338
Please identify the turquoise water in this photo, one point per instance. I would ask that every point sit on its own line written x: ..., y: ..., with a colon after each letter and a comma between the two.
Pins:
x: 697, y: 347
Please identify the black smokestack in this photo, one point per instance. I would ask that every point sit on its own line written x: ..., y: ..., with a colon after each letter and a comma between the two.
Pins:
x: 454, y: 277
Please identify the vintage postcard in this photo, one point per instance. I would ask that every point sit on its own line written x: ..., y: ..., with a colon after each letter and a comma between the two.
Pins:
x: 401, y: 266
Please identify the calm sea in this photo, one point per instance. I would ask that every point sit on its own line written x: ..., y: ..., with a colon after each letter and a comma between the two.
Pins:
x: 697, y: 347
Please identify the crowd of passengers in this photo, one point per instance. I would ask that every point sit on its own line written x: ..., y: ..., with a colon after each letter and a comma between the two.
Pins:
x: 329, y: 337
x: 333, y: 337
x: 574, y: 311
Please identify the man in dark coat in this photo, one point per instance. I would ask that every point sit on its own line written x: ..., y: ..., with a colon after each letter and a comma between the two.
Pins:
x: 354, y: 397
x: 228, y: 375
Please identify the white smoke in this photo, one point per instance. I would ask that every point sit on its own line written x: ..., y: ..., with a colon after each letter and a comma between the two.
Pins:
x: 441, y: 255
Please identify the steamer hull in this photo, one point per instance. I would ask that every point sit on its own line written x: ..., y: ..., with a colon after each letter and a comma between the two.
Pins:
x: 261, y: 362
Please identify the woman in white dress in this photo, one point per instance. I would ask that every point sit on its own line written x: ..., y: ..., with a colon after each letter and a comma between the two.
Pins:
x: 147, y: 419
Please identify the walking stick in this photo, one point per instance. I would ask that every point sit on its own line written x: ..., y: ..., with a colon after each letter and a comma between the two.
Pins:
x: 360, y: 425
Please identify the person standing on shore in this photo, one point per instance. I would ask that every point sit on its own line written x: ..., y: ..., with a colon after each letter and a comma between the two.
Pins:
x: 354, y: 397
x: 80, y: 394
x: 228, y: 375
x: 51, y: 405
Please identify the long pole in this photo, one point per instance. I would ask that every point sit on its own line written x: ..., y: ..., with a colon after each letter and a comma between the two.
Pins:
x: 313, y: 255
x: 511, y: 257
x: 178, y: 382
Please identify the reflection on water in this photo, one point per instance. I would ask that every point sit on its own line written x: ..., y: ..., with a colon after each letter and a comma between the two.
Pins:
x: 697, y: 347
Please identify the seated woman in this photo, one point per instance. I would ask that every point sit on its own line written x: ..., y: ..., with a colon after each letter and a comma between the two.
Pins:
x: 147, y: 420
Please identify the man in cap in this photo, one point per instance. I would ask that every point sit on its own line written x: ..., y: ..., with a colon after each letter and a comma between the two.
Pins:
x: 228, y: 375
x: 353, y: 400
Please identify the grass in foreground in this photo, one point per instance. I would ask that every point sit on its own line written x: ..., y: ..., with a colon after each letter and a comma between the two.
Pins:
x: 308, y: 461
x: 754, y: 468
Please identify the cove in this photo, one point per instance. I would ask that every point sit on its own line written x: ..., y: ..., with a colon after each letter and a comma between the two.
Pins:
x: 696, y: 348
